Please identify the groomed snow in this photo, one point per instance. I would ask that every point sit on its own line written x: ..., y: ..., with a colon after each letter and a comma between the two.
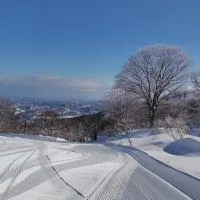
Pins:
x: 183, y: 155
x: 33, y: 137
x: 39, y: 167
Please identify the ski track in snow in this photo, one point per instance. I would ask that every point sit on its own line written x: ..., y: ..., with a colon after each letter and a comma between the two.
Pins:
x: 41, y: 170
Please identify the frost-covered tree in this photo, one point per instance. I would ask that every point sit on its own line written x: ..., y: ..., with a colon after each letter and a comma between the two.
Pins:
x: 154, y: 74
x: 196, y: 80
x: 8, y: 119
x: 118, y: 108
x: 48, y: 122
x: 176, y: 122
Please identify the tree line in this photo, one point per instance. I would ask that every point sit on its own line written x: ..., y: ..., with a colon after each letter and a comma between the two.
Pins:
x: 49, y: 123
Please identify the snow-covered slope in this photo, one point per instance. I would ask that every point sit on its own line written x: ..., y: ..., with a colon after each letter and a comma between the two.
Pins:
x: 39, y: 170
x: 38, y: 167
x: 183, y: 154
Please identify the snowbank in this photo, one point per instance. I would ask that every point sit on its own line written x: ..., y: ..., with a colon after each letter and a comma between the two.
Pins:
x: 33, y: 137
x: 183, y: 147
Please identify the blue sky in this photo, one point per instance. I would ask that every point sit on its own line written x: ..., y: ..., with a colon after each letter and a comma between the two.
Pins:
x: 85, y: 42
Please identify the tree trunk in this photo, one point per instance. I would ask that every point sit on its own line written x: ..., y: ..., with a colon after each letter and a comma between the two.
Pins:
x: 25, y: 126
x: 95, y: 136
x: 152, y: 112
x: 129, y: 139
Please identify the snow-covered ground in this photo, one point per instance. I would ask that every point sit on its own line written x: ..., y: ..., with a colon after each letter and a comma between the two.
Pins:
x: 183, y: 155
x: 41, y: 168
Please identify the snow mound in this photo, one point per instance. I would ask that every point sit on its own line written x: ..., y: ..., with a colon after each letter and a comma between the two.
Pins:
x: 183, y: 147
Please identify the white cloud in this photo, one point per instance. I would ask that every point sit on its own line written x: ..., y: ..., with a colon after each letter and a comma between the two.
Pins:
x: 45, y: 86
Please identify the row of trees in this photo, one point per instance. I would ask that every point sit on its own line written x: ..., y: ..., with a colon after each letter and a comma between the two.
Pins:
x: 49, y: 123
x: 77, y: 129
x: 149, y: 81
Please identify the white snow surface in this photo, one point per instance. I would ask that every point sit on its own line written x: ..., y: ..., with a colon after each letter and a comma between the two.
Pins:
x: 33, y: 137
x: 41, y: 168
x: 182, y: 154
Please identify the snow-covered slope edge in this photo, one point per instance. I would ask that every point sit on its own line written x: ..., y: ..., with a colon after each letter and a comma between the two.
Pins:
x: 183, y: 155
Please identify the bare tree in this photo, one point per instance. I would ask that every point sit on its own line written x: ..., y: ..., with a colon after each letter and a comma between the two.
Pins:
x: 118, y: 108
x: 195, y: 78
x: 154, y: 74
x: 48, y: 122
x: 8, y: 119
x: 176, y: 123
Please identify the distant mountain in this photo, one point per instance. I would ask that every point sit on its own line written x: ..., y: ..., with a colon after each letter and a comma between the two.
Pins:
x: 30, y: 108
